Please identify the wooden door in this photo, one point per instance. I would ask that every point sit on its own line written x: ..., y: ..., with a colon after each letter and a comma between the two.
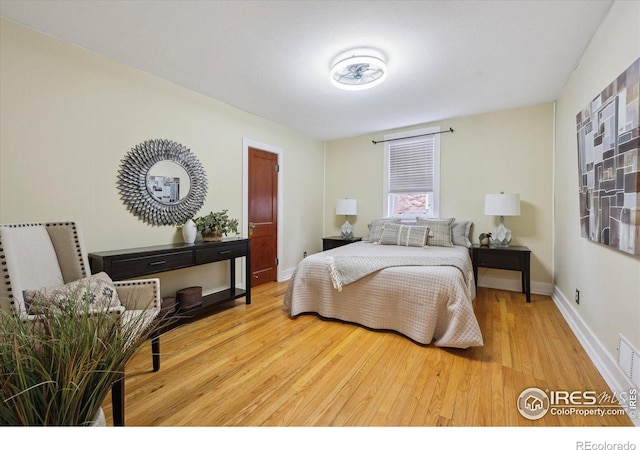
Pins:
x: 263, y: 215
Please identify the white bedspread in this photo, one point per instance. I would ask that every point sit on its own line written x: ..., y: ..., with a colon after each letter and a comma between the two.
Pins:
x: 429, y: 304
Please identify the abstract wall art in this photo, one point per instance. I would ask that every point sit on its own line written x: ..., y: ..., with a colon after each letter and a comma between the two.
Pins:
x: 608, y: 133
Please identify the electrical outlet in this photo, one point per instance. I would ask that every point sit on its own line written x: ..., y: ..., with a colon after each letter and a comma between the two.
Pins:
x: 577, y: 297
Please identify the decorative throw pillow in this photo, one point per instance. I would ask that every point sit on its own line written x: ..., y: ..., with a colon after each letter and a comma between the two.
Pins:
x: 98, y: 290
x: 460, y: 233
x: 439, y: 231
x: 405, y: 235
x: 375, y: 228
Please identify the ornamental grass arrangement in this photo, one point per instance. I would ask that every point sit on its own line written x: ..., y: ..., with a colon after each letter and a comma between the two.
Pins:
x: 58, y: 368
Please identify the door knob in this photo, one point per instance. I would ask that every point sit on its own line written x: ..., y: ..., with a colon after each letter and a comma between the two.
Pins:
x: 252, y: 227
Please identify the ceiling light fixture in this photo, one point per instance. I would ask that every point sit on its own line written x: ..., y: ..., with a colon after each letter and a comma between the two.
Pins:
x: 358, y: 72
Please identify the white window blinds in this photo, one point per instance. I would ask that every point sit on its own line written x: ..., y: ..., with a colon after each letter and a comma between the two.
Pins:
x: 411, y: 166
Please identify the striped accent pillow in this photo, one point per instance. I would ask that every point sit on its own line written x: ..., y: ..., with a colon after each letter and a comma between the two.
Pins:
x: 439, y: 231
x: 375, y: 228
x: 404, y: 235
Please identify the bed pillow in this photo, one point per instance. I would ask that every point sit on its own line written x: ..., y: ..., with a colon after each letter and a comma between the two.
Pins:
x: 460, y: 233
x: 97, y: 289
x: 439, y: 231
x: 375, y: 228
x: 405, y: 235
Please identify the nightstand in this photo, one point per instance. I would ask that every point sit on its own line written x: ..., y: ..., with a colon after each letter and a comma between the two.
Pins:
x: 515, y: 257
x: 337, y: 241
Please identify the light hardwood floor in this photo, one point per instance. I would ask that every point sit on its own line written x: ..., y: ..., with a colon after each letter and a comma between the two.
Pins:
x: 252, y: 365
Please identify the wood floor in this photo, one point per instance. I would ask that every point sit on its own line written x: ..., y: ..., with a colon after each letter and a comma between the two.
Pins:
x: 255, y: 366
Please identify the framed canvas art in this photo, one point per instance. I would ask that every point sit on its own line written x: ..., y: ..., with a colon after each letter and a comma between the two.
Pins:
x: 608, y: 133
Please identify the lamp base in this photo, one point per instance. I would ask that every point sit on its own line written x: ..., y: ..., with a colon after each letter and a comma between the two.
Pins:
x: 347, y: 230
x: 502, y: 235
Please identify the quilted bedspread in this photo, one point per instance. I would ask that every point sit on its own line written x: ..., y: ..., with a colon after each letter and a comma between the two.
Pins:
x: 431, y: 304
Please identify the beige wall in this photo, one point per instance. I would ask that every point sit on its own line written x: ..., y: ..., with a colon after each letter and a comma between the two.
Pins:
x: 68, y: 116
x: 508, y: 151
x: 608, y: 280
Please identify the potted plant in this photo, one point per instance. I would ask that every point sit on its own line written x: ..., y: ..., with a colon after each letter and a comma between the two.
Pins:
x: 485, y: 238
x: 215, y: 225
x: 57, y: 368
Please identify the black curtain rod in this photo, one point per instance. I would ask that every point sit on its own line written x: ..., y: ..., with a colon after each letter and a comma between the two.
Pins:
x: 450, y: 130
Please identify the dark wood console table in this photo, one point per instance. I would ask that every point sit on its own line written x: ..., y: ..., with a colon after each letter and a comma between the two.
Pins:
x: 143, y: 261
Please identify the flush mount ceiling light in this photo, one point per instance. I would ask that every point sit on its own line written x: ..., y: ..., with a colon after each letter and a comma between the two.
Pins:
x: 358, y: 72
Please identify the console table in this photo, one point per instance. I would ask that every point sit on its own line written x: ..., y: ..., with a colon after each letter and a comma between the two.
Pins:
x: 142, y: 261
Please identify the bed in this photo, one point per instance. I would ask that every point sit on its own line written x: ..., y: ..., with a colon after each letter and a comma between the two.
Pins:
x: 423, y: 292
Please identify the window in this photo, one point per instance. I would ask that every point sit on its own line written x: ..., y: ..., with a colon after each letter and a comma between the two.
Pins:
x: 411, y: 178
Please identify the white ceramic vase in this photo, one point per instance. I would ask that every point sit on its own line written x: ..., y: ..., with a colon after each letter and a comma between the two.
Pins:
x: 189, y: 231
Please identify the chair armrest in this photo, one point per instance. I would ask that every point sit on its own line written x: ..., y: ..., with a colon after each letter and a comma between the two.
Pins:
x: 139, y: 294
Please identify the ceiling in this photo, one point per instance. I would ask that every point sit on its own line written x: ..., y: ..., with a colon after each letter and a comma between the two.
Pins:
x: 445, y: 59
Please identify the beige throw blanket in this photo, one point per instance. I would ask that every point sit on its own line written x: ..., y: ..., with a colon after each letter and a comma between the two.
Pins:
x: 347, y: 269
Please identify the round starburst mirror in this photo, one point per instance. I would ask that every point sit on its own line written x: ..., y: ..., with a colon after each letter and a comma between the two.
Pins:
x: 162, y: 182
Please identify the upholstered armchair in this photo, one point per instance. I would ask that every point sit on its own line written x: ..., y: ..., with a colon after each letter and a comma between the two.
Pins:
x: 45, y: 256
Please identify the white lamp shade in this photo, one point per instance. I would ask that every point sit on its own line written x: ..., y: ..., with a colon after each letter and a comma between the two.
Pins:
x: 347, y: 207
x: 502, y: 205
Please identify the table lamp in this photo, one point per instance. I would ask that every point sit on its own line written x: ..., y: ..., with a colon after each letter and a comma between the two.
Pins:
x: 502, y: 205
x: 347, y: 207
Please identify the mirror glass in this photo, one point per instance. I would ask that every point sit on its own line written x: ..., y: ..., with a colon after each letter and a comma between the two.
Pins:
x: 168, y: 182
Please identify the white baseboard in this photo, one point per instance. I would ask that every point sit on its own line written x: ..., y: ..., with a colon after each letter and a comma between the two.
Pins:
x: 286, y: 275
x: 603, y: 360
x: 514, y: 285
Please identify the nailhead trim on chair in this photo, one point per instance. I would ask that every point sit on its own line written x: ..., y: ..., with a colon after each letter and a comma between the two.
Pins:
x: 139, y: 282
x: 6, y: 276
x: 3, y: 257
x: 22, y: 225
x: 76, y: 242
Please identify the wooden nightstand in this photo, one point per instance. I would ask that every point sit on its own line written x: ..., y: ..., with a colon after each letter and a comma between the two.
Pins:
x: 337, y: 241
x: 507, y: 258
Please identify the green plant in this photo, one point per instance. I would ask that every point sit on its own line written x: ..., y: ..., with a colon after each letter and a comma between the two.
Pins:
x: 216, y: 223
x: 58, y: 368
x: 484, y: 235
